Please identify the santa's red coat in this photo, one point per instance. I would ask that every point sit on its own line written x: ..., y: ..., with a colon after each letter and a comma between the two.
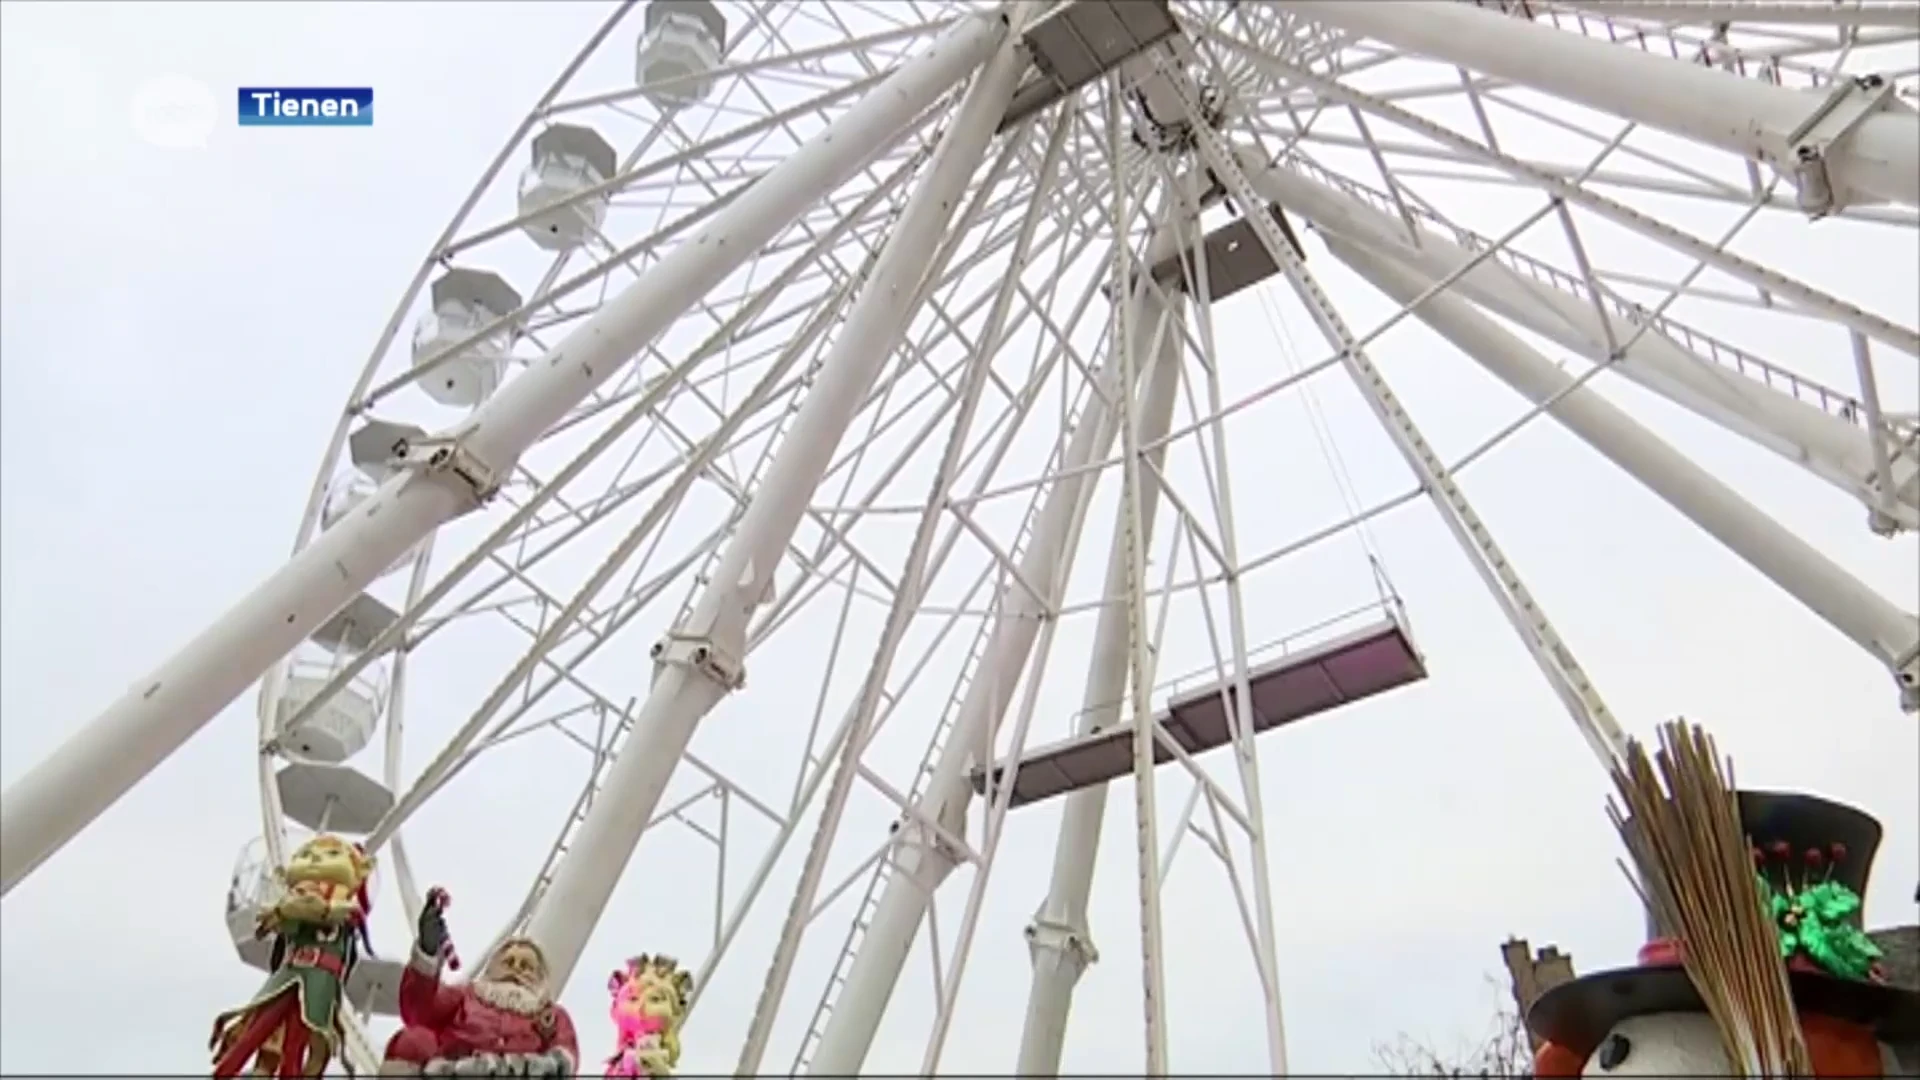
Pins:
x: 451, y: 1022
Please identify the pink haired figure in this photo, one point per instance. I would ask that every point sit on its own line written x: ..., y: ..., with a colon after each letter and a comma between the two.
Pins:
x: 649, y: 1002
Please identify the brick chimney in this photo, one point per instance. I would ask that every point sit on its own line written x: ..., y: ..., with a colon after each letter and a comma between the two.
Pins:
x: 1534, y: 974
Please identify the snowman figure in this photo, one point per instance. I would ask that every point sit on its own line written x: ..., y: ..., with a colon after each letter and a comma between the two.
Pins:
x: 1813, y: 856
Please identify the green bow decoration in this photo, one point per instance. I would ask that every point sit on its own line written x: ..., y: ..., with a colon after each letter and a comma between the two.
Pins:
x: 1814, y: 922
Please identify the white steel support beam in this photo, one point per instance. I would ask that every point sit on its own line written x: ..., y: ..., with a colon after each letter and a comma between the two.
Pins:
x: 923, y: 861
x: 1883, y: 518
x: 914, y: 577
x: 1831, y: 448
x: 51, y: 804
x: 1262, y: 934
x: 1868, y: 619
x: 1059, y: 937
x: 1859, y: 144
x: 701, y: 660
x: 1132, y: 334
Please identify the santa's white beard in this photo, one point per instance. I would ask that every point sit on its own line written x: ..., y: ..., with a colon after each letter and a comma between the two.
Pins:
x: 509, y: 996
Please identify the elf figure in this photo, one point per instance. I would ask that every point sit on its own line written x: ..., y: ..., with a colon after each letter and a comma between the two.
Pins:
x: 318, y: 926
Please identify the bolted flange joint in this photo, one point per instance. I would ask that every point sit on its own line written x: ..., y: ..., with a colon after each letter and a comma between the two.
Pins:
x: 1812, y: 146
x: 449, y: 457
x: 700, y: 654
x: 935, y: 854
x: 1069, y: 945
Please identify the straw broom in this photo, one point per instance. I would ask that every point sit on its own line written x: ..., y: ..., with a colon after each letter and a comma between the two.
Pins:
x: 1681, y: 825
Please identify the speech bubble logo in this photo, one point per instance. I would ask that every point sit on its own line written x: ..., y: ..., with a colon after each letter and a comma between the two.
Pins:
x: 175, y: 113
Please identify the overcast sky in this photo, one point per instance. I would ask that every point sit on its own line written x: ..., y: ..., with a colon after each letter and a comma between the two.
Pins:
x: 181, y: 326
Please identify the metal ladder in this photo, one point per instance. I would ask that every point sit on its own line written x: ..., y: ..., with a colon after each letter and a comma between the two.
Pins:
x: 1644, y: 33
x: 883, y: 872
x: 588, y: 793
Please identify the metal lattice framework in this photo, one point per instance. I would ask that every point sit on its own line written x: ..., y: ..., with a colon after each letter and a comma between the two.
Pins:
x: 825, y: 354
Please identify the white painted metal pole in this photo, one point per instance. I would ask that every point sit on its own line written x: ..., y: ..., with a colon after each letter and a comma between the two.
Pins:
x: 1743, y: 116
x: 987, y: 99
x: 922, y: 863
x: 689, y: 686
x: 1590, y: 714
x: 1060, y: 937
x: 1900, y: 14
x: 48, y: 806
x: 1857, y: 611
x: 1882, y: 518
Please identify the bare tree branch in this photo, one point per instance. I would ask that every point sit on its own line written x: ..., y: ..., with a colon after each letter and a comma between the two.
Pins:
x: 1503, y: 1054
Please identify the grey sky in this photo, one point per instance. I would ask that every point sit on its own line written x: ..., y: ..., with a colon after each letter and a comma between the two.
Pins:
x: 181, y: 326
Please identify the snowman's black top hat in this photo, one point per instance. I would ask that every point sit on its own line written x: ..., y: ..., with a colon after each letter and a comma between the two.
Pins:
x: 1799, y: 842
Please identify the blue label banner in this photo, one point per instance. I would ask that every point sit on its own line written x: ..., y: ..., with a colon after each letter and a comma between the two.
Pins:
x: 306, y: 106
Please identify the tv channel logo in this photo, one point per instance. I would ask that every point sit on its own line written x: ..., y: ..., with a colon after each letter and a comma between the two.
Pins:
x: 306, y: 106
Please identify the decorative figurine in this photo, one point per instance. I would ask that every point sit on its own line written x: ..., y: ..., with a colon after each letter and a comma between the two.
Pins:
x: 1792, y: 979
x: 649, y: 1002
x: 318, y: 924
x: 504, y: 1022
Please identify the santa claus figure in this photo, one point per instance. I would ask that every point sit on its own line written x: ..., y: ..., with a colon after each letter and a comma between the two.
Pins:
x: 503, y: 1022
x: 1813, y: 857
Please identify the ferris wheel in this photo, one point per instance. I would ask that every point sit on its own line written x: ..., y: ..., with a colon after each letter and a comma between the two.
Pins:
x: 813, y: 436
